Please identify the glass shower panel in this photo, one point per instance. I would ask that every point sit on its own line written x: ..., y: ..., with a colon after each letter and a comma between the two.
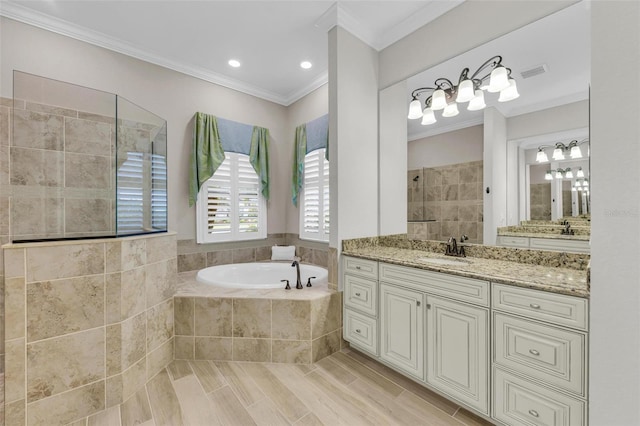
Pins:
x: 63, y: 136
x: 141, y: 170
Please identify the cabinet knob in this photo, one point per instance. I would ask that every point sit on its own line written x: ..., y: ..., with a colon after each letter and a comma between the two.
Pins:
x: 428, y: 305
x: 358, y: 294
x: 534, y: 352
x: 357, y: 267
x: 534, y: 305
x: 418, y: 303
x: 358, y: 330
x: 534, y: 413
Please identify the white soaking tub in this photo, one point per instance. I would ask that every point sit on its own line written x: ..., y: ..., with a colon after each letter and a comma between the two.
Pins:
x: 260, y: 275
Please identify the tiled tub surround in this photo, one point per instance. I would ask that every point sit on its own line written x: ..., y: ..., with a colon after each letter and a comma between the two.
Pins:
x: 277, y: 325
x: 445, y: 201
x: 88, y: 324
x: 540, y: 201
x: 563, y: 273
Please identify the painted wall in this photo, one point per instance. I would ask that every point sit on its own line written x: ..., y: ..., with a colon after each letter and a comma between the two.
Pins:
x: 175, y: 97
x: 565, y: 117
x: 459, y: 146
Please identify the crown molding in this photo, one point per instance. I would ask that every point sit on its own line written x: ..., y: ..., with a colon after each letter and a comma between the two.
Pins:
x: 337, y: 15
x: 447, y: 128
x: 68, y: 29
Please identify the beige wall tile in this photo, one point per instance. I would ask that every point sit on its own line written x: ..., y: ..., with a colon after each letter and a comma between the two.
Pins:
x: 333, y: 265
x: 134, y: 253
x: 244, y: 255
x: 36, y: 167
x: 326, y: 315
x: 320, y: 257
x: 252, y: 318
x: 5, y: 113
x: 160, y: 282
x: 161, y: 248
x: 67, y: 407
x: 221, y: 257
x: 133, y: 340
x: 49, y: 263
x: 291, y: 319
x: 114, y: 256
x: 159, y: 324
x: 184, y: 347
x: 36, y: 130
x: 14, y: 376
x: 87, y: 215
x: 213, y: 348
x: 136, y: 410
x: 133, y: 292
x: 64, y: 363
x: 4, y: 165
x: 468, y: 191
x: 254, y: 350
x: 213, y: 317
x: 87, y: 171
x: 96, y: 117
x: 325, y: 345
x: 134, y: 378
x: 113, y: 302
x: 64, y: 306
x: 87, y: 137
x: 114, y: 391
x: 113, y: 349
x: 291, y: 351
x: 15, y: 413
x: 263, y: 253
x: 159, y: 359
x: 192, y: 262
x: 184, y: 315
x: 14, y: 308
x: 39, y: 217
x: 49, y: 109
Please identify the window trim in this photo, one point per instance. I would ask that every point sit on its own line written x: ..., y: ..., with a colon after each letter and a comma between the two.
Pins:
x: 323, y: 181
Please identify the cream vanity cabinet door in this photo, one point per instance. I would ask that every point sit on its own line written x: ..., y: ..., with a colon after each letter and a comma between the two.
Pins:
x: 402, y: 329
x: 457, y: 351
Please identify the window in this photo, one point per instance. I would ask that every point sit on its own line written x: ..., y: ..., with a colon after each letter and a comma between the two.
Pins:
x: 230, y: 206
x: 314, y: 200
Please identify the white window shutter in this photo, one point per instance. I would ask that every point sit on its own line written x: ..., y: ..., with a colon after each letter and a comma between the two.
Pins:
x: 314, y: 205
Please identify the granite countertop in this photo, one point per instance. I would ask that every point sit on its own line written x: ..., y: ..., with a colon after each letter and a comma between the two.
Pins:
x: 557, y: 236
x: 572, y: 282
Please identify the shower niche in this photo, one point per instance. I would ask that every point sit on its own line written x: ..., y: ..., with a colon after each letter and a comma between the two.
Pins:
x: 83, y: 163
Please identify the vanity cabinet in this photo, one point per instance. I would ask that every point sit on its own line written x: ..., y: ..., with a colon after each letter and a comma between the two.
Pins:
x: 553, y: 244
x: 360, y: 325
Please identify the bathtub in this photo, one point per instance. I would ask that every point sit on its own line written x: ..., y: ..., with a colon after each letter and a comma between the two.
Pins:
x: 259, y: 275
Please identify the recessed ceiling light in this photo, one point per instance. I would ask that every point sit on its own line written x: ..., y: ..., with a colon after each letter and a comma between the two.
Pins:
x: 305, y: 65
x: 234, y: 63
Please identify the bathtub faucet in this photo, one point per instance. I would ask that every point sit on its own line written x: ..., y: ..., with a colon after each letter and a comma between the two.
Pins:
x: 296, y: 263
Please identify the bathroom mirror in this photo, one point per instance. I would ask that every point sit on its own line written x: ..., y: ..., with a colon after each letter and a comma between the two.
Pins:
x: 447, y: 173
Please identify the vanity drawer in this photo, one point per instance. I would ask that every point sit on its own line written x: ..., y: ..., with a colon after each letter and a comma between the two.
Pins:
x: 574, y: 246
x: 508, y: 241
x: 459, y: 288
x: 361, y: 294
x: 361, y: 331
x: 558, y: 309
x: 549, y: 354
x: 361, y: 267
x: 519, y: 402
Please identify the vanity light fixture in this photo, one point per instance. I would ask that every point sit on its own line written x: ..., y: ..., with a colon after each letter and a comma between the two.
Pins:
x: 580, y: 173
x: 559, y: 149
x: 548, y: 175
x: 445, y: 95
x: 559, y: 174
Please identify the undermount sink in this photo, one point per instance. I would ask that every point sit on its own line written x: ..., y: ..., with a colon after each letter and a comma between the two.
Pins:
x: 439, y: 261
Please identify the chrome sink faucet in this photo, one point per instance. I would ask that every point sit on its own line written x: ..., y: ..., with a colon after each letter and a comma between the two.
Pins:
x: 296, y: 263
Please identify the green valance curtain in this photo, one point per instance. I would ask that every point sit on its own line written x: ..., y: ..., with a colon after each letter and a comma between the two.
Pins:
x: 259, y: 157
x: 299, y: 151
x: 206, y: 153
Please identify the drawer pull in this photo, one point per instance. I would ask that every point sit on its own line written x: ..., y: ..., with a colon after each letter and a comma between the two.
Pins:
x: 534, y: 352
x: 418, y: 303
x: 358, y: 294
x: 358, y: 331
x: 534, y: 413
x: 534, y: 305
x: 357, y: 267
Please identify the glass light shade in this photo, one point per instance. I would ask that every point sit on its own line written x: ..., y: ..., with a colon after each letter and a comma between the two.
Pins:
x: 579, y: 188
x: 428, y: 117
x: 568, y: 174
x: 541, y: 157
x: 585, y: 183
x: 465, y: 91
x: 499, y: 79
x: 477, y: 103
x: 577, y: 184
x: 451, y: 110
x: 580, y: 173
x: 548, y: 175
x: 557, y: 154
x: 573, y: 189
x: 558, y: 174
x: 415, y: 110
x: 576, y: 152
x: 438, y: 100
x: 510, y: 93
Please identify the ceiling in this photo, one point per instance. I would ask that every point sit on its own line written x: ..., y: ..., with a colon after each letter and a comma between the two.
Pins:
x: 560, y: 41
x: 269, y: 38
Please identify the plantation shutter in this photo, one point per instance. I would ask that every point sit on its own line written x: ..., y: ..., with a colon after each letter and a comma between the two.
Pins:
x: 314, y: 209
x: 158, y: 192
x: 130, y: 195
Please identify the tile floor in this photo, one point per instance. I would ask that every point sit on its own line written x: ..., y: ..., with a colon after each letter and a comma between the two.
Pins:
x: 346, y: 388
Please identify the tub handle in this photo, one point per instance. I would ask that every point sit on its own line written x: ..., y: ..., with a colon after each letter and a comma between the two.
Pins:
x: 288, y: 287
x: 309, y: 281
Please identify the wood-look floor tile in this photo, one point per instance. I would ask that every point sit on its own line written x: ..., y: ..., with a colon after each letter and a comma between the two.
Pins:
x: 196, y: 407
x: 470, y: 419
x: 433, y: 398
x: 305, y: 368
x: 265, y: 413
x: 360, y: 411
x: 136, y: 410
x: 241, y: 383
x: 229, y: 409
x: 384, y: 402
x: 430, y: 414
x: 164, y: 402
x: 287, y: 402
x: 336, y: 371
x: 108, y: 417
x: 309, y: 420
x: 81, y: 422
x: 208, y: 374
x: 367, y: 375
x: 178, y: 369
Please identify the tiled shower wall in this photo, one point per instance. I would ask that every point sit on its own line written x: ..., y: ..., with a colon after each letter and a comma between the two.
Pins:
x: 87, y: 324
x: 5, y: 134
x: 446, y: 201
x: 540, y: 201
